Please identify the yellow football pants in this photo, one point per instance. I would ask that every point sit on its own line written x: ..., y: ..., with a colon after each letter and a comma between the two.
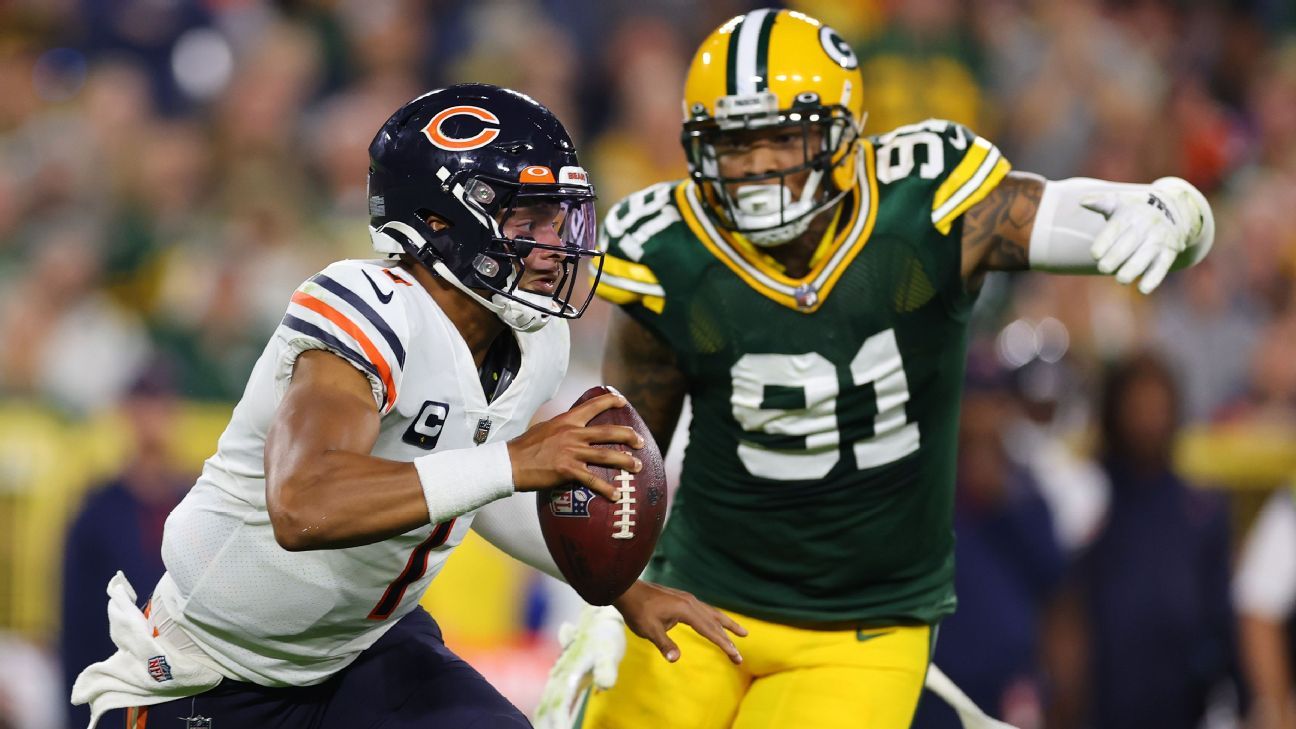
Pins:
x: 790, y: 678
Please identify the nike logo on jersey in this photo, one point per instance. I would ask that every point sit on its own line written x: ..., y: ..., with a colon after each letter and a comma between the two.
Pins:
x: 384, y: 298
x: 863, y: 636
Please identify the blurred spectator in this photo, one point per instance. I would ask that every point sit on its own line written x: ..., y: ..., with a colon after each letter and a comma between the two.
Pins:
x: 504, y: 53
x: 143, y: 30
x: 641, y: 147
x: 1272, y: 102
x: 1201, y: 325
x: 1008, y: 564
x: 1074, y: 487
x: 1154, y: 584
x: 31, y: 695
x: 1264, y: 592
x: 921, y: 64
x: 1078, y: 90
x: 119, y: 527
x: 1269, y: 399
x: 55, y: 319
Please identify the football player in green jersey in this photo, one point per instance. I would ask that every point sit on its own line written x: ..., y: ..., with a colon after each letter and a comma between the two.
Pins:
x: 808, y: 288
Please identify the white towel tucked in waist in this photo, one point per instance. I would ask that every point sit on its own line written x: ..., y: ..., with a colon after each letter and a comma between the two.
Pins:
x: 146, y: 669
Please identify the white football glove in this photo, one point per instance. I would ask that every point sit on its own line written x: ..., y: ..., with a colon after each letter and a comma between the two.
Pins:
x: 969, y: 714
x: 1150, y: 233
x: 594, y: 646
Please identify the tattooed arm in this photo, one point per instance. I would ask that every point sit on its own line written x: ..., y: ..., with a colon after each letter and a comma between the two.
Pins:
x: 643, y: 368
x: 997, y: 230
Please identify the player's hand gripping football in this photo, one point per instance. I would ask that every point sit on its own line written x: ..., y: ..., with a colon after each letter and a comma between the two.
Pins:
x: 556, y: 451
x: 1146, y: 232
x: 594, y: 646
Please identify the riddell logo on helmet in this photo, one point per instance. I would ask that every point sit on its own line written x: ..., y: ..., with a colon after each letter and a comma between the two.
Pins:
x: 434, y: 132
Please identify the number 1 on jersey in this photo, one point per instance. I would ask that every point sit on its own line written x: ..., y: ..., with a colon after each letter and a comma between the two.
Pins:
x: 414, y: 570
x: 792, y: 399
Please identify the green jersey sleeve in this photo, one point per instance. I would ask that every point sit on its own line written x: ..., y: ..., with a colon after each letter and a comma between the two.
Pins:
x: 629, y: 228
x: 946, y: 161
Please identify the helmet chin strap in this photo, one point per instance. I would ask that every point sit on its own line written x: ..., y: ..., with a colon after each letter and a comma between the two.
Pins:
x: 515, y: 314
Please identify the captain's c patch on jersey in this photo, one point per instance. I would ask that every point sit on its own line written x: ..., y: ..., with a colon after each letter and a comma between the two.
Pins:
x: 425, y: 430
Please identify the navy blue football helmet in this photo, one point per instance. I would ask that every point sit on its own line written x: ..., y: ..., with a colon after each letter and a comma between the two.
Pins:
x: 472, y: 155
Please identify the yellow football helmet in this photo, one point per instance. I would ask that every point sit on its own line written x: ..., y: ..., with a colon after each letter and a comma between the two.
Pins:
x: 774, y: 69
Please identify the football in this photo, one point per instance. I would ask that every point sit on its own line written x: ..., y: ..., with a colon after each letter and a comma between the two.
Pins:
x: 601, y: 547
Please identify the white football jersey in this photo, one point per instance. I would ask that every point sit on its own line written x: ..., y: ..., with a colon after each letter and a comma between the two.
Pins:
x: 265, y: 615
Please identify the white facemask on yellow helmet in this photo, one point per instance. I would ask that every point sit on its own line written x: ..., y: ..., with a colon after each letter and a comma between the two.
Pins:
x: 774, y: 69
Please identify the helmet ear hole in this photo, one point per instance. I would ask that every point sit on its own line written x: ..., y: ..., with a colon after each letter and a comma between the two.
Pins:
x: 434, y: 221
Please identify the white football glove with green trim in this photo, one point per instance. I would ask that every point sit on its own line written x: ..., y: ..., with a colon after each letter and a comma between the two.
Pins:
x: 592, y: 651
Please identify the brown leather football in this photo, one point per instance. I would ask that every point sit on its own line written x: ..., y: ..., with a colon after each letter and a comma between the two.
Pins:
x: 602, y: 547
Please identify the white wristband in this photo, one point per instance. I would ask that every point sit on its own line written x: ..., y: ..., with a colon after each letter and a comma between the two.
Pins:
x: 457, y: 481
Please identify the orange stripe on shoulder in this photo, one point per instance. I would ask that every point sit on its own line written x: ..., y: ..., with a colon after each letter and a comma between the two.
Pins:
x: 395, y: 278
x: 148, y: 607
x: 323, y: 309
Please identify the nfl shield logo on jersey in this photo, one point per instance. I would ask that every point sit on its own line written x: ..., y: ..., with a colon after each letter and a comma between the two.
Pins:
x: 198, y: 722
x: 483, y: 430
x: 571, y: 503
x: 159, y: 669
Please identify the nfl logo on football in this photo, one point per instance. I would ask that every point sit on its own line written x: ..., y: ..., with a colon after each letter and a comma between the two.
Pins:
x: 571, y: 503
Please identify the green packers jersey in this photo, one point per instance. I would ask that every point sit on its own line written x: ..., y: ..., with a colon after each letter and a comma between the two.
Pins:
x: 819, y: 473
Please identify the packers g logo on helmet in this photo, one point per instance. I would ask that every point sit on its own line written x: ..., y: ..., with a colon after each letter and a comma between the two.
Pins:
x: 774, y: 69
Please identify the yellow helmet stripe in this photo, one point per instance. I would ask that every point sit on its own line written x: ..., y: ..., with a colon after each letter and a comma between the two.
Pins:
x: 749, y: 52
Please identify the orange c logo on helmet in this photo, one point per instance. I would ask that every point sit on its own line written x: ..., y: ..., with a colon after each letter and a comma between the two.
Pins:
x: 460, y: 144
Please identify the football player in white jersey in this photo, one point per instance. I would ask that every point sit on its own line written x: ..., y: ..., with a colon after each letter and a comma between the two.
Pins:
x: 387, y: 415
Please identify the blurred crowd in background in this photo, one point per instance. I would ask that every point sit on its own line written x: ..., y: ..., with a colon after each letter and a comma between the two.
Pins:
x: 170, y: 170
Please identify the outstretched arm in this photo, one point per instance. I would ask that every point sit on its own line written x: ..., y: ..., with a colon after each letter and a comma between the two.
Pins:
x: 1087, y: 226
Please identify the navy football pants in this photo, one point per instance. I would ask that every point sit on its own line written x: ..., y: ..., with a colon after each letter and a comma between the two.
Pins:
x: 409, y: 679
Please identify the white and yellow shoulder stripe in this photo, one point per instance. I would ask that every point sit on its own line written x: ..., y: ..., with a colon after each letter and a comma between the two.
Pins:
x: 626, y: 282
x: 980, y: 171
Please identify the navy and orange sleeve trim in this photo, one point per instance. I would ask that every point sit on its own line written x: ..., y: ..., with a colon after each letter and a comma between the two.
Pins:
x: 354, y: 325
x: 367, y: 311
